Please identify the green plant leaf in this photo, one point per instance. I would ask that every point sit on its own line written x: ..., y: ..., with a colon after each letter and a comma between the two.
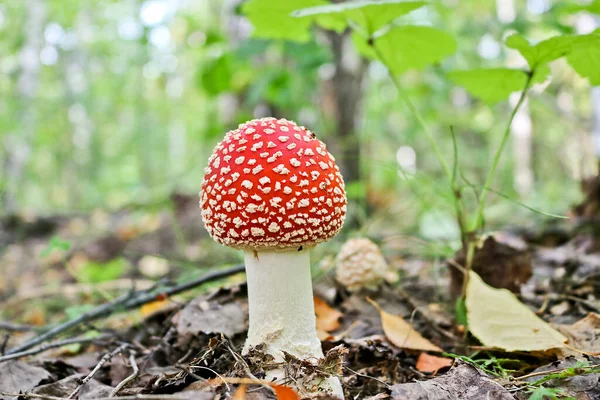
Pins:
x: 369, y: 15
x: 518, y: 42
x: 495, y: 84
x: 498, y: 319
x: 409, y: 47
x: 272, y: 19
x: 572, y: 7
x: 216, y: 75
x: 553, y: 48
x: 460, y: 311
x: 544, y: 393
x: 586, y: 62
x: 490, y: 85
x: 93, y: 272
x: 55, y: 243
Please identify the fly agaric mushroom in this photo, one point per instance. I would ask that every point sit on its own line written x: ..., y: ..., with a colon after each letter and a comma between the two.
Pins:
x: 360, y: 264
x: 272, y: 190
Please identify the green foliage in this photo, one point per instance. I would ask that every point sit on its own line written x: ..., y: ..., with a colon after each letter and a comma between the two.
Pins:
x: 539, y: 392
x: 460, y: 312
x: 490, y: 85
x: 408, y: 47
x: 272, y: 20
x: 552, y: 49
x: 489, y: 363
x: 573, y: 7
x: 369, y: 15
x: 93, y: 272
x: 544, y: 393
x: 111, y: 106
x: 586, y: 61
x: 578, y: 368
x: 495, y: 84
x: 57, y: 244
x: 402, y: 47
x: 216, y: 75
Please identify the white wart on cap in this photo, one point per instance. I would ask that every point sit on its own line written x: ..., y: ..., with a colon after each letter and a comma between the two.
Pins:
x: 272, y: 185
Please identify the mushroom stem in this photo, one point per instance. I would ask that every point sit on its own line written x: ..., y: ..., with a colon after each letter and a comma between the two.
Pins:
x: 281, y: 307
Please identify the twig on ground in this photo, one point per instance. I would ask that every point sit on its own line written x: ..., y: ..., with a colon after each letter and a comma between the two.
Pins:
x: 552, y: 371
x: 243, y: 362
x: 587, y: 303
x: 106, y: 358
x: 126, y: 302
x: 9, y: 326
x: 368, y: 377
x: 74, y: 289
x: 179, y: 396
x: 130, y: 378
x: 4, y: 343
x: 52, y: 345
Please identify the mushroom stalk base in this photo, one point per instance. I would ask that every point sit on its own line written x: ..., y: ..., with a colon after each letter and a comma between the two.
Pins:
x: 281, y: 307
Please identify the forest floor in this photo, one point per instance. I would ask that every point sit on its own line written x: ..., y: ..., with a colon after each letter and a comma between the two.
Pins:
x: 89, y: 310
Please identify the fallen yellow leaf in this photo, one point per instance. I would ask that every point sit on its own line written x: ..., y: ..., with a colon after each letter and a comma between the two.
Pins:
x: 155, y: 306
x: 400, y: 333
x: 498, y: 319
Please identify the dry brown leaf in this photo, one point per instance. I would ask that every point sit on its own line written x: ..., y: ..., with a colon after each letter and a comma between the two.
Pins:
x: 583, y: 335
x: 328, y: 318
x: 35, y: 317
x: 400, y: 333
x: 429, y: 363
x: 240, y: 394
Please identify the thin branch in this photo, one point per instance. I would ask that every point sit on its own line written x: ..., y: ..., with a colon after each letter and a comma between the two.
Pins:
x: 178, y: 396
x: 128, y: 301
x: 106, y: 358
x: 368, y: 377
x: 52, y: 345
x: 9, y: 326
x: 130, y: 378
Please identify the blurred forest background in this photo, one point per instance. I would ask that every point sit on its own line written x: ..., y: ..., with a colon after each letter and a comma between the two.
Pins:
x: 108, y: 103
x: 113, y: 105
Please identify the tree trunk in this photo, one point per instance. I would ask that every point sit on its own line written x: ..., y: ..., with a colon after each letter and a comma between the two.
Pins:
x: 347, y: 87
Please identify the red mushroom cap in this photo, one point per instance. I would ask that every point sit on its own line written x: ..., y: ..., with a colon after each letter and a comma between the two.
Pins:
x: 272, y: 185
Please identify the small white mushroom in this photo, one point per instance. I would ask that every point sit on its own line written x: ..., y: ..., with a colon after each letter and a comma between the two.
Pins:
x: 360, y: 264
